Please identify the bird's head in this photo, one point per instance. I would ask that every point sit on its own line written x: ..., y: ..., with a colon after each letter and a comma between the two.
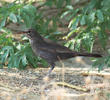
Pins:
x: 30, y: 33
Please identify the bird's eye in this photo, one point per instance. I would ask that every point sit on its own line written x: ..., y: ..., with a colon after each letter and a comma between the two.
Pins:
x: 29, y: 31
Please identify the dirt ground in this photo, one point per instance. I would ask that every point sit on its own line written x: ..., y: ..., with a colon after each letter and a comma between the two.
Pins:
x: 66, y: 83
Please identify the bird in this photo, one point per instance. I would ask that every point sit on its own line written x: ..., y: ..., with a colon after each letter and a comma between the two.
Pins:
x: 52, y: 51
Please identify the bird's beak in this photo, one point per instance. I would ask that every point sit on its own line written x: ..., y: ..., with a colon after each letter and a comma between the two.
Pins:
x: 23, y: 32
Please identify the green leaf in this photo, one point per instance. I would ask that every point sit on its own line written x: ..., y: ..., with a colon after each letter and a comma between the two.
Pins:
x: 92, y: 16
x: 106, y: 3
x: 78, y: 44
x: 100, y: 15
x: 72, y: 45
x: 73, y: 23
x: 82, y: 21
x: 16, y: 61
x: 3, y: 23
x: 13, y: 17
x: 103, y: 39
x: 24, y: 60
x: 109, y: 51
x: 18, y: 46
x: 28, y: 14
x: 107, y: 60
x: 5, y: 56
x: 11, y: 61
x: 65, y: 13
x: 68, y: 44
x: 100, y: 66
x: 60, y: 3
x: 92, y: 4
x: 7, y: 48
x: 30, y: 10
x: 70, y: 33
x: 49, y: 3
x: 88, y: 41
x: 70, y: 7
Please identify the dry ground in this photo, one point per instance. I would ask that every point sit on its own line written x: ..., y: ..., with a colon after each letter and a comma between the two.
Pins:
x: 65, y: 83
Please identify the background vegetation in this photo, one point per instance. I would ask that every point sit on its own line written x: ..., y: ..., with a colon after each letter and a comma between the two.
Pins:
x: 87, y: 23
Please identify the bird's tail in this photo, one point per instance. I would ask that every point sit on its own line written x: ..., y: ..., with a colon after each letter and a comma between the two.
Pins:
x: 89, y: 55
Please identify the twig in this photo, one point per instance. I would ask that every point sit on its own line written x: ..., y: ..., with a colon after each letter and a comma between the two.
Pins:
x: 95, y: 74
x: 72, y: 86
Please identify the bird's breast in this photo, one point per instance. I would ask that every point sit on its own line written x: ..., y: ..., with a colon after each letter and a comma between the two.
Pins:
x: 35, y: 47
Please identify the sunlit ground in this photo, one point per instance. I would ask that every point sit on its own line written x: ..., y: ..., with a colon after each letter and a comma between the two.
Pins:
x: 65, y: 83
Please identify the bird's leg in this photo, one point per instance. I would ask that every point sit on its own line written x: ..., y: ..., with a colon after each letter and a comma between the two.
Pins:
x: 50, y: 70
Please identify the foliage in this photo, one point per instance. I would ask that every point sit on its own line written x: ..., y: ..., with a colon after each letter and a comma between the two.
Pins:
x: 100, y: 63
x: 88, y: 23
x: 15, y: 54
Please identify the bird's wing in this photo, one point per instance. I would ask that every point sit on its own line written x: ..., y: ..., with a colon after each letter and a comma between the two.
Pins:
x: 52, y: 46
x: 46, y: 49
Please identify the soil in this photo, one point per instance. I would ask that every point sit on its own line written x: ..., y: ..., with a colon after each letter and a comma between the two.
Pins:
x: 31, y: 84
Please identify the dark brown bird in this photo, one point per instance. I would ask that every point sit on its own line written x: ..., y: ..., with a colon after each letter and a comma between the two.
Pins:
x: 51, y: 51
